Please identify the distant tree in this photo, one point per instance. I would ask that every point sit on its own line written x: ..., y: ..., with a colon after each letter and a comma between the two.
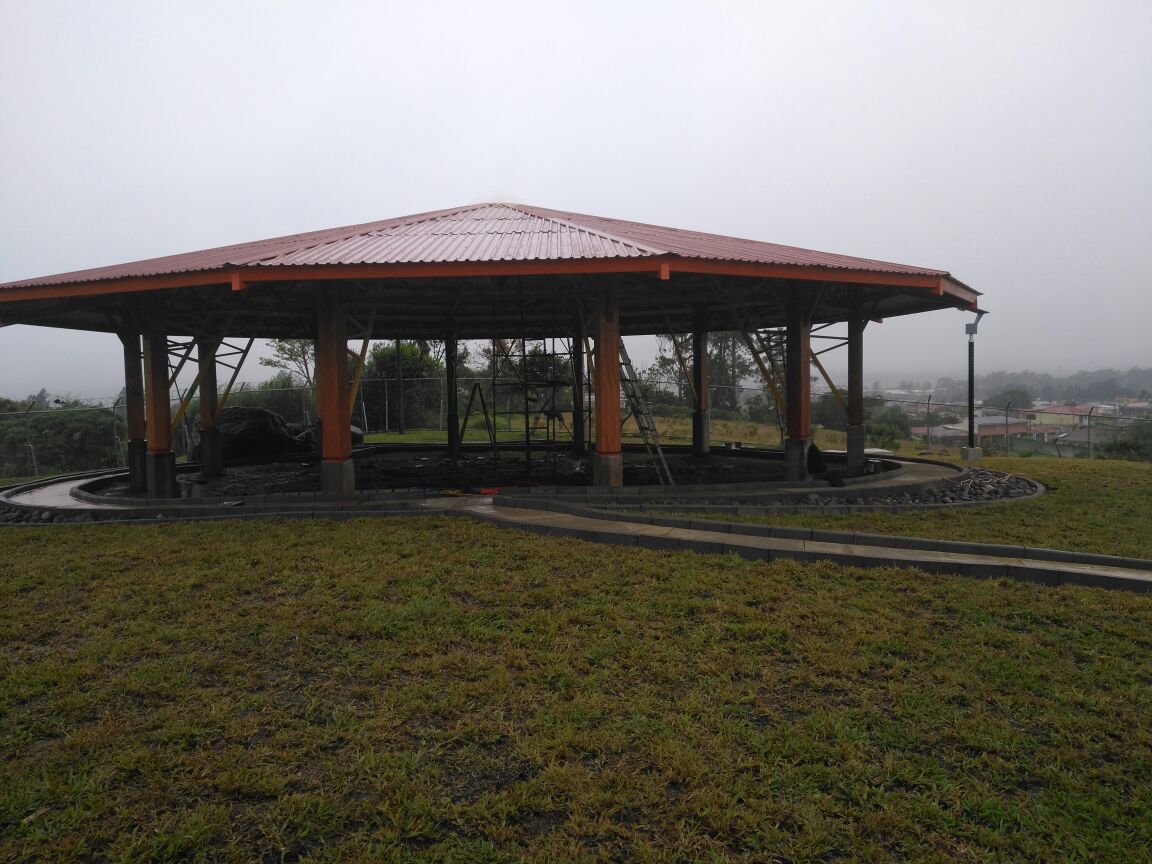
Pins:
x: 283, y: 394
x: 69, y: 437
x: 421, y: 390
x: 941, y: 418
x: 662, y: 383
x: 827, y: 412
x: 761, y: 408
x: 1020, y: 397
x: 729, y: 366
x: 296, y: 356
x: 885, y: 425
x: 1135, y: 443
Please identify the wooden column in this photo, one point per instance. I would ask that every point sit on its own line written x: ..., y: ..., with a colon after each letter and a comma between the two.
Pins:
x: 160, y: 461
x: 337, y: 473
x: 211, y: 454
x: 856, y: 432
x: 702, y: 410
x: 607, y: 464
x: 579, y: 438
x: 134, y: 413
x: 451, y: 397
x: 798, y: 386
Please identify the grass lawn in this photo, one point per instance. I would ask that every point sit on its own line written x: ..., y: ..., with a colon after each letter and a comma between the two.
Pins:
x: 1090, y: 506
x: 441, y: 690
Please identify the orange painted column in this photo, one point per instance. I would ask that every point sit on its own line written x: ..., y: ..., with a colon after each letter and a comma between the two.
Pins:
x: 134, y: 413
x: 607, y: 463
x: 798, y: 386
x: 211, y: 455
x: 160, y: 461
x: 337, y: 473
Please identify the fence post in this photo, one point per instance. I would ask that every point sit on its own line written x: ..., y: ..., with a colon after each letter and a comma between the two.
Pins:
x: 928, y: 422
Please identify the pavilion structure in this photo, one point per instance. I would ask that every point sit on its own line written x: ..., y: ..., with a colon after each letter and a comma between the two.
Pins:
x: 484, y: 271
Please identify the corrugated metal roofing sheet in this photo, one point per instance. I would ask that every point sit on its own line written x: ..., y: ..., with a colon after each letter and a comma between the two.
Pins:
x: 481, y: 232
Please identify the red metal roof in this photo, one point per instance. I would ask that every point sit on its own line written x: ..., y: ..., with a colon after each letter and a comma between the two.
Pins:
x: 481, y: 232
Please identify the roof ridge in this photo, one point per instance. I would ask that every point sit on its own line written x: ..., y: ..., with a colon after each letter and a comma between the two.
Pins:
x: 545, y: 213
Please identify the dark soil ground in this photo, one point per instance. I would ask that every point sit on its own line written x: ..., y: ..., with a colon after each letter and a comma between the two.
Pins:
x: 380, y: 468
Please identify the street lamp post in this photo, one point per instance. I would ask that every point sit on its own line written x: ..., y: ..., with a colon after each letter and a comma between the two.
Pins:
x: 972, y: 451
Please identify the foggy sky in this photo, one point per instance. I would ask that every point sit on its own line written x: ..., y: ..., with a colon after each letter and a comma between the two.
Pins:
x: 1009, y: 143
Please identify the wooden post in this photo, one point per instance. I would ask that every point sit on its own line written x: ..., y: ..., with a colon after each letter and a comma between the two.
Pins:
x: 607, y: 464
x: 798, y: 386
x: 702, y: 410
x: 451, y: 397
x: 579, y: 439
x: 337, y: 473
x: 856, y: 432
x: 211, y: 455
x: 134, y: 413
x: 160, y: 460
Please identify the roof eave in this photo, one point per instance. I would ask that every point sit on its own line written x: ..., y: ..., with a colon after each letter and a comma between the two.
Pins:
x: 663, y: 266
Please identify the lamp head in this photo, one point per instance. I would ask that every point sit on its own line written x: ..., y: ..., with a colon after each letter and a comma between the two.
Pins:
x: 970, y: 329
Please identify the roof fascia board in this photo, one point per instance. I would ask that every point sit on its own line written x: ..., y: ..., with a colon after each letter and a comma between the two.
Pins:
x: 127, y: 285
x: 662, y: 266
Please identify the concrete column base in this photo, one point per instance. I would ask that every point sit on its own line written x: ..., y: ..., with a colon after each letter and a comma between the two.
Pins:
x: 856, y: 458
x: 796, y: 458
x: 211, y: 453
x: 701, y: 432
x: 337, y: 478
x: 137, y: 465
x: 607, y: 469
x: 162, y: 475
x: 971, y: 454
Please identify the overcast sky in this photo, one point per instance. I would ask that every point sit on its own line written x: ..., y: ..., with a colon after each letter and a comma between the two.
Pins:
x: 1009, y: 143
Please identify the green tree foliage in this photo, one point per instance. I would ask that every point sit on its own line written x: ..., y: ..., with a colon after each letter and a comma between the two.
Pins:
x: 761, y: 408
x: 69, y: 437
x: 1020, y: 397
x: 663, y: 385
x: 827, y: 412
x: 885, y: 425
x: 283, y: 394
x: 729, y: 367
x: 421, y: 389
x: 294, y: 356
x: 1135, y: 443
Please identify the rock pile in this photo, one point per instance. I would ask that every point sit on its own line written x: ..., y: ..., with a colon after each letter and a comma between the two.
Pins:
x: 977, y: 486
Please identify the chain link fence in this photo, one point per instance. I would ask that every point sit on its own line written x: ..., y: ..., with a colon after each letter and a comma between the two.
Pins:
x: 61, y: 436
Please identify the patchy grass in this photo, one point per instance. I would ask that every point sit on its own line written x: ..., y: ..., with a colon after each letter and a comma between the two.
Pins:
x: 16, y: 481
x: 1090, y: 506
x: 440, y: 690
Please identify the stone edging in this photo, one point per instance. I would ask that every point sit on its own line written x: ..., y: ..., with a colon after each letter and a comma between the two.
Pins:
x: 842, y: 537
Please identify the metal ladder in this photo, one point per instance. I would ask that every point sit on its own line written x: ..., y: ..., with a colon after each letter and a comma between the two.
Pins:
x: 769, y: 350
x: 638, y: 407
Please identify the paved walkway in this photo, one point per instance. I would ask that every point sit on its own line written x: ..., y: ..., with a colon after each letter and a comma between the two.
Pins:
x: 1032, y: 569
x: 702, y: 536
x: 59, y: 495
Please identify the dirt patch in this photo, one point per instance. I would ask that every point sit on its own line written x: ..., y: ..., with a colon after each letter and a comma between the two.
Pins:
x: 380, y: 468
